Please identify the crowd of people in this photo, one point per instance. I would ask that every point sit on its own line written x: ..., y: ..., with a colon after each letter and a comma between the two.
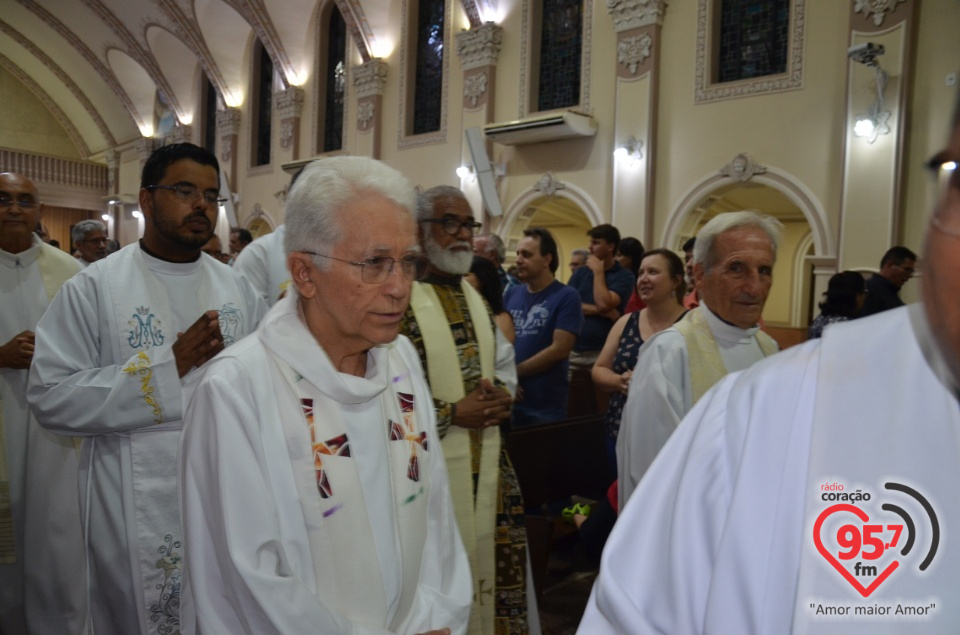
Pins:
x: 199, y: 442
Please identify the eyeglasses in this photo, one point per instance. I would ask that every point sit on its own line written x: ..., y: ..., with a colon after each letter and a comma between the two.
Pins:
x: 23, y: 203
x: 188, y: 191
x: 452, y: 226
x: 377, y: 269
x: 946, y: 216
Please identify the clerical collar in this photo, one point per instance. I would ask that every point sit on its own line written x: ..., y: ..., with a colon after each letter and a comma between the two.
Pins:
x: 23, y: 258
x: 443, y: 281
x: 723, y: 330
x: 159, y: 257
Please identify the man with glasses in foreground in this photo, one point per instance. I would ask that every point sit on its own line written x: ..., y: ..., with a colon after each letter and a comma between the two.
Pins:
x: 114, y: 358
x: 471, y: 371
x: 815, y: 492
x: 314, y: 491
x: 31, y: 273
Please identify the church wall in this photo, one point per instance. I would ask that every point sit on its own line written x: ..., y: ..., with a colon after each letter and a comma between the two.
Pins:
x: 26, y: 124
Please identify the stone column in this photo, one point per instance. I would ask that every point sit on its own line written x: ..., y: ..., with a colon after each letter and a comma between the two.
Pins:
x: 228, y: 128
x: 637, y: 24
x: 478, y: 50
x: 369, y: 80
x: 288, y: 105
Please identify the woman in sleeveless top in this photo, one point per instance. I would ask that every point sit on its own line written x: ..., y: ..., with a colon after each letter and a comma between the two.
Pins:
x: 660, y: 285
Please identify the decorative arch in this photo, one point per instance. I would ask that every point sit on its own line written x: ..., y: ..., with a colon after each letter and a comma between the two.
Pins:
x: 742, y: 169
x: 800, y: 287
x: 513, y: 220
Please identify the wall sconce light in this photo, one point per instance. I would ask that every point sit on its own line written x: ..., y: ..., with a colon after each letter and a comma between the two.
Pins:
x: 631, y: 150
x: 464, y: 171
x: 876, y: 120
x: 136, y: 213
x: 105, y: 217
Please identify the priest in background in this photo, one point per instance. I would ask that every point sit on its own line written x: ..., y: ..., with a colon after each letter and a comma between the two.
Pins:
x: 114, y: 358
x: 31, y: 273
x: 313, y: 486
x: 737, y: 526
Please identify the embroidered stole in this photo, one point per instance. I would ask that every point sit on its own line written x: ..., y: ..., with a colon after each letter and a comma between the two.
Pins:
x: 702, y: 346
x: 476, y: 518
x: 53, y: 272
x: 145, y: 325
x: 318, y: 439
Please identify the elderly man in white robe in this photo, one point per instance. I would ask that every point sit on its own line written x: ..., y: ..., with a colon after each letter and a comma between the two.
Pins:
x: 31, y: 273
x: 733, y: 270
x: 314, y: 490
x: 114, y: 358
x: 815, y: 492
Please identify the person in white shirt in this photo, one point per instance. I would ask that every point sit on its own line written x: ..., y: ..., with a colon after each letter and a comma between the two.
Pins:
x: 90, y: 238
x: 815, y: 492
x: 115, y: 355
x: 733, y: 269
x: 314, y: 490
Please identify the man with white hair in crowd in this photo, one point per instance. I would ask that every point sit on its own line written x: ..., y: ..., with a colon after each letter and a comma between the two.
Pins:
x: 314, y: 491
x: 90, y: 239
x: 815, y: 492
x: 491, y: 247
x: 471, y: 371
x: 733, y: 270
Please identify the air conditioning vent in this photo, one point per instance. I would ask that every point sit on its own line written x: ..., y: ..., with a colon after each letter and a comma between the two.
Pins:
x: 553, y: 127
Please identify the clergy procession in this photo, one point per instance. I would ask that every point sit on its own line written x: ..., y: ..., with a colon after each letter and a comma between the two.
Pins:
x: 314, y: 437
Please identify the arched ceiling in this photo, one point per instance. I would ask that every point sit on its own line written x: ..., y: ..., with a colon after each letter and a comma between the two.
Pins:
x: 98, y: 64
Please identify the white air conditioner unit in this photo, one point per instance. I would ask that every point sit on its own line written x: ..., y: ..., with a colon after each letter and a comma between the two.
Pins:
x: 566, y: 125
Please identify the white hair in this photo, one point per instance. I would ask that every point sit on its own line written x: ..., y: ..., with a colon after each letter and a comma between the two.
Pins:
x: 324, y: 188
x: 80, y: 230
x: 703, y: 249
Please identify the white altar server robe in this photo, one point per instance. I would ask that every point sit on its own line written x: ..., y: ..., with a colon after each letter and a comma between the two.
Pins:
x: 256, y: 542
x: 264, y: 263
x: 716, y: 538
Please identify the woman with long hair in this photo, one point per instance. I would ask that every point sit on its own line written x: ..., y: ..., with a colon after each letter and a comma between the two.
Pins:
x: 844, y: 296
x: 484, y: 278
x: 629, y: 255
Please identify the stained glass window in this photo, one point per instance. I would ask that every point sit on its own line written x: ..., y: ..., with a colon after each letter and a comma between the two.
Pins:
x: 335, y: 79
x: 264, y: 103
x: 209, y: 115
x: 428, y: 83
x: 561, y: 39
x: 753, y: 39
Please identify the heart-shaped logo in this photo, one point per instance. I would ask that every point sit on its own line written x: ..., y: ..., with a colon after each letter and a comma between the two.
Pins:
x: 862, y: 515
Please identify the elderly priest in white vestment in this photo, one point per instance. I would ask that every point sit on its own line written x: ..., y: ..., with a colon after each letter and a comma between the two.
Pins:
x: 313, y: 486
x: 115, y: 354
x: 815, y: 492
x: 733, y: 271
x: 31, y: 273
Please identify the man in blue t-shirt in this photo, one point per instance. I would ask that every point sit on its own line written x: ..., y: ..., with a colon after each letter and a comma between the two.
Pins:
x: 604, y: 287
x: 547, y: 318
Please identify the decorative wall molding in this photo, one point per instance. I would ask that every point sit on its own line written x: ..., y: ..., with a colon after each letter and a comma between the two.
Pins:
x: 358, y: 27
x: 47, y: 101
x: 370, y: 78
x: 191, y: 36
x: 707, y: 91
x: 742, y: 168
x: 366, y: 111
x: 228, y: 121
x: 631, y: 14
x: 145, y: 147
x: 288, y: 103
x: 105, y: 73
x: 878, y: 9
x: 480, y: 46
x: 54, y: 170
x: 549, y: 184
x: 633, y: 50
x: 474, y: 87
x: 179, y: 134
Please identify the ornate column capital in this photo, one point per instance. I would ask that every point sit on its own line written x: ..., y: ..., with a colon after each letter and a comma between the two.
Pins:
x: 112, y: 158
x: 480, y: 46
x: 370, y: 78
x: 145, y: 147
x: 179, y: 134
x: 288, y: 103
x: 632, y: 14
x: 228, y: 121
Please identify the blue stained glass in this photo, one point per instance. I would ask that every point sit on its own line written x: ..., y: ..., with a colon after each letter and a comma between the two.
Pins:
x: 336, y: 71
x: 428, y: 83
x: 754, y: 39
x: 561, y: 39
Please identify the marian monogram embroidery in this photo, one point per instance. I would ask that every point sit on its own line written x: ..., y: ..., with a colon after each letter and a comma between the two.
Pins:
x: 407, y: 432
x: 141, y: 366
x: 337, y: 446
x: 145, y: 329
x: 166, y: 612
x: 231, y: 323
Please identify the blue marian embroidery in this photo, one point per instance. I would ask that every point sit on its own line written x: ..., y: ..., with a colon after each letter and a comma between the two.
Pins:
x: 144, y: 329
